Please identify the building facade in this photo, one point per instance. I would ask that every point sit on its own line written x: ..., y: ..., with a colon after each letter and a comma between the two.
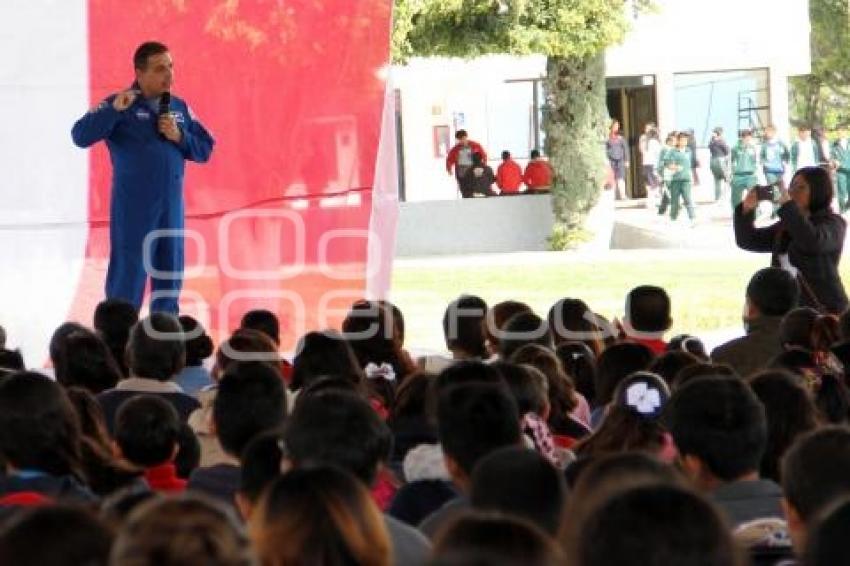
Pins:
x: 687, y: 64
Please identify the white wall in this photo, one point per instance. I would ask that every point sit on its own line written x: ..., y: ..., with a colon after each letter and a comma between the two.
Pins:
x: 432, y: 91
x: 44, y: 184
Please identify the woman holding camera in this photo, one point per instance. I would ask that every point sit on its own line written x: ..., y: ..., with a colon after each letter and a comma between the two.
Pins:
x: 807, y: 240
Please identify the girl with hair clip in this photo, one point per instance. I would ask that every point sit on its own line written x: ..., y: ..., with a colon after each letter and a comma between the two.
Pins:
x: 808, y: 339
x: 807, y: 241
x: 632, y: 421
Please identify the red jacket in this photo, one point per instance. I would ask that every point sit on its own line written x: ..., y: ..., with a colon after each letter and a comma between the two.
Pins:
x: 164, y: 478
x: 509, y: 176
x: 538, y: 175
x: 451, y: 158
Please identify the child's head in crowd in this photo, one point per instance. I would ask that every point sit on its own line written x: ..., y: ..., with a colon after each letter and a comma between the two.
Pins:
x: 147, y: 430
x: 324, y: 515
x: 463, y: 327
x: 156, y: 349
x: 199, y: 346
x: 262, y: 320
x: 647, y: 312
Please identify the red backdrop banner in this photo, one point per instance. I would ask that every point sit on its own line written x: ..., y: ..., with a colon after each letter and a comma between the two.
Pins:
x: 293, y: 92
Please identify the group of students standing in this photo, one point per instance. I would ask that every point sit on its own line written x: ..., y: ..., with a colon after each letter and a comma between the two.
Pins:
x: 671, y: 170
x: 811, y: 149
x: 469, y: 162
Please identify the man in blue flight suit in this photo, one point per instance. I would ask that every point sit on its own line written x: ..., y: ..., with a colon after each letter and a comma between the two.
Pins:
x: 148, y: 147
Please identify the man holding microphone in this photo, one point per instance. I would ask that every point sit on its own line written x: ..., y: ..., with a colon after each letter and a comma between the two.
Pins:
x: 150, y: 134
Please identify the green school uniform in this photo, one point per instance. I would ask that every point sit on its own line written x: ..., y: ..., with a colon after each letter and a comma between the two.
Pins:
x: 680, y: 181
x: 841, y: 156
x: 774, y: 155
x: 744, y: 164
x: 665, y: 175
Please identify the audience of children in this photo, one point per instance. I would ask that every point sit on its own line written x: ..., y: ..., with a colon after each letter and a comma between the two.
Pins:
x: 534, y: 441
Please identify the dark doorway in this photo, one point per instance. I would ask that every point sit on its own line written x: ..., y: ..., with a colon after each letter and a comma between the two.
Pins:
x: 631, y: 101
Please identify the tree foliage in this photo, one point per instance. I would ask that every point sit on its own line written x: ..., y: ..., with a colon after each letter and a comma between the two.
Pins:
x: 823, y: 97
x: 470, y: 28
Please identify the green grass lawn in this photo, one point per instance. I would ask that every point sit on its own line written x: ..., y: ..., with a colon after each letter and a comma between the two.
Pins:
x: 707, y: 292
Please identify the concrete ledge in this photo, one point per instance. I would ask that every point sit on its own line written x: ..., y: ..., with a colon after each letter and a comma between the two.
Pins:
x: 476, y: 225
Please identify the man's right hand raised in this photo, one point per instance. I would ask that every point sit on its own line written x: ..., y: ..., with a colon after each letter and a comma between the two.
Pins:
x: 123, y: 100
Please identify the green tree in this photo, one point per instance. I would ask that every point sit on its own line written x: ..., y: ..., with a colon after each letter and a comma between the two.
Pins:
x: 573, y: 34
x: 823, y: 97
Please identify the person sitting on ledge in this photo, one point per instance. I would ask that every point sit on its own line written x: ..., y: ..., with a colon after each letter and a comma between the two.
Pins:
x: 479, y: 179
x: 538, y: 174
x: 508, y: 175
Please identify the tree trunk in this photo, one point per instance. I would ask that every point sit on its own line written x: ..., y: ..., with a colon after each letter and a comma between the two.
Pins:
x: 575, y: 122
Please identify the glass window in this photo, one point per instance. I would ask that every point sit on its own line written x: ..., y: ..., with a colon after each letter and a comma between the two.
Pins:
x: 734, y: 100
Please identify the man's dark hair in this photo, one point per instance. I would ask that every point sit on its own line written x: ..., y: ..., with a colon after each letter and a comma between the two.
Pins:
x: 617, y: 363
x: 463, y: 325
x: 146, y: 429
x: 338, y: 429
x: 665, y: 525
x: 816, y: 471
x: 518, y: 481
x: 475, y: 419
x: 720, y: 421
x: 263, y: 320
x: 461, y: 134
x: 250, y: 400
x: 648, y: 309
x: 506, y: 155
x: 535, y: 153
x: 55, y: 535
x: 113, y: 319
x: 145, y: 51
x: 804, y: 128
x: 159, y: 354
x: 521, y: 329
x: 745, y: 133
x: 773, y: 291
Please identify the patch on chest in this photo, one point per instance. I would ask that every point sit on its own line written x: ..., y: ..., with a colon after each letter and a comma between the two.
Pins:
x: 143, y: 114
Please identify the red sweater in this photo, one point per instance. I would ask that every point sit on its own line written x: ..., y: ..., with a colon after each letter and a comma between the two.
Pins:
x: 509, y: 176
x: 164, y: 478
x: 538, y: 175
x: 451, y: 158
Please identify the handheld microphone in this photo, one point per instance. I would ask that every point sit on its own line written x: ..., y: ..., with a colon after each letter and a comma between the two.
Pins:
x: 164, y: 107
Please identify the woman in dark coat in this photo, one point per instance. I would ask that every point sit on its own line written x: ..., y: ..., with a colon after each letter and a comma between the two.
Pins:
x: 807, y: 240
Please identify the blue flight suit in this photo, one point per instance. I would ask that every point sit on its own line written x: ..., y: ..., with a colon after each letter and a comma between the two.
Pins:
x: 147, y: 194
